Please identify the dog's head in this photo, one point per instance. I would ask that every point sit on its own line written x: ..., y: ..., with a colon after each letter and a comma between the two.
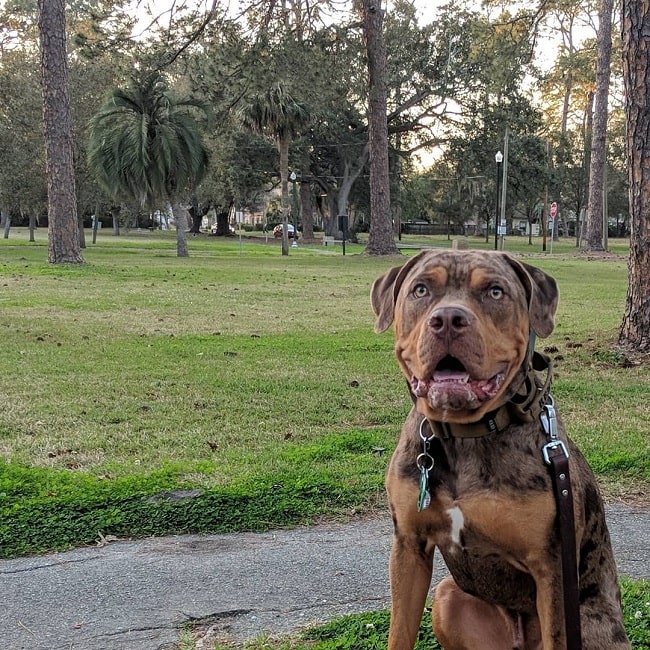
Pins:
x: 462, y: 326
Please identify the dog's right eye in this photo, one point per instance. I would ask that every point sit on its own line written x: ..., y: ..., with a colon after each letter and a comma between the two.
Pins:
x: 420, y: 290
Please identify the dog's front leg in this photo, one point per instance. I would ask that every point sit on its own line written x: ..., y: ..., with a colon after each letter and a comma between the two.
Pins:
x: 550, y: 607
x: 411, y: 566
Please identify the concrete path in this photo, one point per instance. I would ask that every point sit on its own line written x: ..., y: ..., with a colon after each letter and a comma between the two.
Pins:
x: 134, y: 595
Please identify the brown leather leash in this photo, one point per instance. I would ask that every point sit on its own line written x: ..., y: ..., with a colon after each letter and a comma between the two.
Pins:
x: 556, y: 455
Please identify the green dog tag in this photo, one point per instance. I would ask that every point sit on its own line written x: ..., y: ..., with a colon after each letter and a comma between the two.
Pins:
x: 424, y: 497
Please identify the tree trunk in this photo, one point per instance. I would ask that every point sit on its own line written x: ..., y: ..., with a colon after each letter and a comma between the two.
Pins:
x: 588, y: 130
x: 305, y: 197
x: 197, y: 212
x: 351, y: 171
x: 62, y: 203
x: 283, y: 147
x: 635, y: 328
x: 115, y: 214
x: 380, y: 238
x: 7, y: 224
x: 180, y: 217
x: 307, y: 208
x: 81, y: 233
x: 223, y: 221
x: 593, y: 237
x: 95, y: 223
x: 32, y: 226
x: 327, y: 208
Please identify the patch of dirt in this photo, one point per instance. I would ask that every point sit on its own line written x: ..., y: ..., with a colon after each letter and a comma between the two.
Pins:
x: 209, y: 630
x: 634, y: 495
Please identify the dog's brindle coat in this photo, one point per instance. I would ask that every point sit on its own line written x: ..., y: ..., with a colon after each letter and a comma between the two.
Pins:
x: 462, y: 323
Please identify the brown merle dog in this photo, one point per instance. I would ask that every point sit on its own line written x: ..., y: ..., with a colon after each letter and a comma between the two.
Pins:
x: 468, y: 476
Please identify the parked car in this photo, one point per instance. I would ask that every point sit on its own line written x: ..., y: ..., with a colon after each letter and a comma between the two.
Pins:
x: 277, y: 231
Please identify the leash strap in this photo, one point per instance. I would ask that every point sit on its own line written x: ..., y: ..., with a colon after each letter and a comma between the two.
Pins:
x: 556, y: 456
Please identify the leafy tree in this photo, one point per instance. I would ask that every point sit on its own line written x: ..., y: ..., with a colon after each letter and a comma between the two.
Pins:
x: 568, y: 95
x: 528, y: 177
x: 593, y: 238
x: 23, y: 188
x: 245, y: 171
x: 277, y: 114
x: 89, y: 79
x: 145, y: 146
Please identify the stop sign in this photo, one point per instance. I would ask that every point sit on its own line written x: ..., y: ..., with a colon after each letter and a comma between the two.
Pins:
x: 553, y: 210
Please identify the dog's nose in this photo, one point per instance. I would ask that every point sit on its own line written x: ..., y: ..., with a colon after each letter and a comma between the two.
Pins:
x: 450, y: 320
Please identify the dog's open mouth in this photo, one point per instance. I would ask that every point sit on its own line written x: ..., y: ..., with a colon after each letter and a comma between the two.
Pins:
x: 452, y: 387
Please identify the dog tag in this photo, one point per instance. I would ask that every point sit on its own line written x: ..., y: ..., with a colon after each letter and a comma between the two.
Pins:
x: 424, y: 497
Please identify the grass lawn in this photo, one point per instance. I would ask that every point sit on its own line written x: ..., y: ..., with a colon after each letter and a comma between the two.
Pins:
x: 237, y: 389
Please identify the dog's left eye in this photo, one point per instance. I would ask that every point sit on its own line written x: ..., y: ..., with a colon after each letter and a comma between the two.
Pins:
x: 496, y: 293
x: 420, y: 290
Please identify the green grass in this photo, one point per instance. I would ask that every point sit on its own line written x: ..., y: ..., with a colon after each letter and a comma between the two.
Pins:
x: 251, y: 382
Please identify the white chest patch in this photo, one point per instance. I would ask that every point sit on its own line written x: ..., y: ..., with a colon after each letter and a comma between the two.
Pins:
x: 457, y: 523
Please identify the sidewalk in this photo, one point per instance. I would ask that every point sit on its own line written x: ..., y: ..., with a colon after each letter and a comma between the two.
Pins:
x: 134, y: 595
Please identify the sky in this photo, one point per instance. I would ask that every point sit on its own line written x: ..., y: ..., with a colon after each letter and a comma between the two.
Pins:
x: 426, y: 8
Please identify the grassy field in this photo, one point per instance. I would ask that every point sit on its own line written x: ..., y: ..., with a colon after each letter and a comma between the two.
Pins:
x: 144, y: 394
x: 237, y: 389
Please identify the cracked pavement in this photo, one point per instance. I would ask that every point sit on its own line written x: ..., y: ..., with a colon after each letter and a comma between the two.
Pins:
x: 134, y: 595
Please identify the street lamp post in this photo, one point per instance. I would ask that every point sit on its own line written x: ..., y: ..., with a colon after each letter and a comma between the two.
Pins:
x: 499, y: 161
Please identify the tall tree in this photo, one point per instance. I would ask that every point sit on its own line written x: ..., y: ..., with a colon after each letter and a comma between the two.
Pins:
x: 64, y: 244
x: 380, y: 238
x: 277, y: 114
x: 23, y: 188
x: 568, y: 90
x: 635, y: 328
x: 593, y: 237
x: 145, y: 146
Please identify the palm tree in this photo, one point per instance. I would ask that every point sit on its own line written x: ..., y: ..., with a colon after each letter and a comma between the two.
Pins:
x: 277, y: 114
x: 145, y: 146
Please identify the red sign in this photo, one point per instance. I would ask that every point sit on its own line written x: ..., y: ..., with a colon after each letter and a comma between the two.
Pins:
x: 553, y: 210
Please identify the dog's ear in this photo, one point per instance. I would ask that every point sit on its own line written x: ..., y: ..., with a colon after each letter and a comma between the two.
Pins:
x: 383, y: 295
x: 383, y: 300
x: 543, y: 294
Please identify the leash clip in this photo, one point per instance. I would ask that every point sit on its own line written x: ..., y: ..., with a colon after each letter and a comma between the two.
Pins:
x: 549, y: 419
x: 549, y: 422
